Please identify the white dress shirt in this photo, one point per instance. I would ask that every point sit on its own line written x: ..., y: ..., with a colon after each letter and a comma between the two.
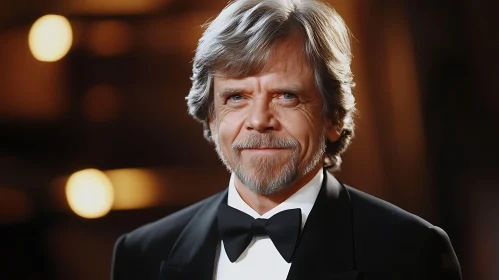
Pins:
x: 261, y: 260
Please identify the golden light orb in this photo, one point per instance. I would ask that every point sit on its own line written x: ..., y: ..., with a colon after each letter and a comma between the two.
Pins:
x: 90, y: 193
x: 50, y: 38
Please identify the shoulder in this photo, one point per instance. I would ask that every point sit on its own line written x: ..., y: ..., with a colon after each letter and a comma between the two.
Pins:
x: 388, y: 235
x: 138, y: 254
x: 368, y: 209
x: 149, y: 238
x: 153, y: 238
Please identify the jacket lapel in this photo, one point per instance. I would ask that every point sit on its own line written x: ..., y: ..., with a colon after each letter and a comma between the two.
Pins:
x: 326, y: 249
x: 193, y: 255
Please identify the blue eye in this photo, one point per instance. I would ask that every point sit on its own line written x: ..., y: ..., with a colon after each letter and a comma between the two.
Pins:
x: 236, y: 97
x: 288, y: 96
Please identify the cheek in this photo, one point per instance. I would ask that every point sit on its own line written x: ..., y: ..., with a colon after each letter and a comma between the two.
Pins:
x: 229, y: 127
x: 305, y: 128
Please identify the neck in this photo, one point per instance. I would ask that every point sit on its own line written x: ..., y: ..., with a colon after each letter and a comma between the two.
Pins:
x: 264, y: 203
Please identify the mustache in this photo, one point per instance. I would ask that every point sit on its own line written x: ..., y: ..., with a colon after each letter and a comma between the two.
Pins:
x: 268, y: 140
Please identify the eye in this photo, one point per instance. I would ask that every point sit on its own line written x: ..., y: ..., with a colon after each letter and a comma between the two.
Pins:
x: 287, y: 99
x: 236, y: 100
x: 235, y: 97
x: 288, y: 96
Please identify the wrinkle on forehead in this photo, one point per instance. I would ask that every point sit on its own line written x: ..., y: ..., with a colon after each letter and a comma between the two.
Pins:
x: 283, y: 54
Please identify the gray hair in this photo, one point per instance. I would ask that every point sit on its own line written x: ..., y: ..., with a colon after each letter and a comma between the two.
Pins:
x: 239, y: 40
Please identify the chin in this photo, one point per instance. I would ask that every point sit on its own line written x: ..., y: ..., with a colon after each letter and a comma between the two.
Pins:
x: 267, y: 181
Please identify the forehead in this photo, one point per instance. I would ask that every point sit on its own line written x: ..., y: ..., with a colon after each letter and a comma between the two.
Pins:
x: 288, y: 54
x: 286, y: 57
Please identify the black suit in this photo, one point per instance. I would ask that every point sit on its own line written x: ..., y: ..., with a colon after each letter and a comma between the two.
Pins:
x: 348, y: 235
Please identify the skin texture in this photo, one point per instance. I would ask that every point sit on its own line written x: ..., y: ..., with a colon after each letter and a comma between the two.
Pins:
x: 281, y: 102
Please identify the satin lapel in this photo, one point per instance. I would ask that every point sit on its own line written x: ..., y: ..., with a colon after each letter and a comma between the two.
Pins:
x: 325, y: 249
x: 193, y: 255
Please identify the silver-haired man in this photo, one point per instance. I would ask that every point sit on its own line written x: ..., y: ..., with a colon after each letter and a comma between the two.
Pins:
x: 272, y: 86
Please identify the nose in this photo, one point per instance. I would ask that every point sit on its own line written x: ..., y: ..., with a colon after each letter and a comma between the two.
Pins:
x: 261, y: 116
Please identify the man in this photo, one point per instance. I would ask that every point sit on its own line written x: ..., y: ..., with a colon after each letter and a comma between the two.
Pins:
x: 272, y: 86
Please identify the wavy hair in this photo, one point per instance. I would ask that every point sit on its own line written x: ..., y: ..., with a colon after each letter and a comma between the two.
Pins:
x: 239, y: 41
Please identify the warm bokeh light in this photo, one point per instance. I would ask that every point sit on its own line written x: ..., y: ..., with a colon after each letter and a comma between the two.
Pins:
x: 90, y: 193
x: 50, y: 38
x: 115, y: 7
x: 136, y: 188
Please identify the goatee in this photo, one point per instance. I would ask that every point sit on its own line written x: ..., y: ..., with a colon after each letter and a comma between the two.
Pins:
x: 266, y: 175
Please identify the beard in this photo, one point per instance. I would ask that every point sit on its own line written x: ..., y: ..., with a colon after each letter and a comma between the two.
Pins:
x: 265, y: 174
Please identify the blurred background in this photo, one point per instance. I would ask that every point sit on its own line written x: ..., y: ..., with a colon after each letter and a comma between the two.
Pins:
x: 95, y: 139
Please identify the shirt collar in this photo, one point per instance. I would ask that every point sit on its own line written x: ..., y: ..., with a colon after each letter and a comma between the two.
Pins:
x: 304, y: 199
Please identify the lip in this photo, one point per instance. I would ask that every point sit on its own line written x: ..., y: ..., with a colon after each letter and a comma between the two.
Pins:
x: 265, y: 150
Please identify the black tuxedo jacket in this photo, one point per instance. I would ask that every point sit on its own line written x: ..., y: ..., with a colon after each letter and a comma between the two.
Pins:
x: 348, y: 235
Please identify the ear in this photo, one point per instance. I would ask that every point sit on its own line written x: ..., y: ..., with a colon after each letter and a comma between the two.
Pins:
x: 333, y: 131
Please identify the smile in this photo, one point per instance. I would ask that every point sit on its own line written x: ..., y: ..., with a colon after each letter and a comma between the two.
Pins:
x: 264, y: 150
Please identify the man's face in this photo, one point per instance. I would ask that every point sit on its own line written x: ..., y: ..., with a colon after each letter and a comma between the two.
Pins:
x: 268, y: 128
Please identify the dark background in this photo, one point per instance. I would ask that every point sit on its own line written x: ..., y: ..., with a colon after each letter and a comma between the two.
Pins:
x: 427, y: 133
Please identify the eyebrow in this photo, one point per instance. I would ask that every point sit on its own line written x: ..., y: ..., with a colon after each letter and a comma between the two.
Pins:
x: 296, y: 90
x: 231, y: 91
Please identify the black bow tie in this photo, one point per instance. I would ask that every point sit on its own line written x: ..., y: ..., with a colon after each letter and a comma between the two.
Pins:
x: 237, y: 229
